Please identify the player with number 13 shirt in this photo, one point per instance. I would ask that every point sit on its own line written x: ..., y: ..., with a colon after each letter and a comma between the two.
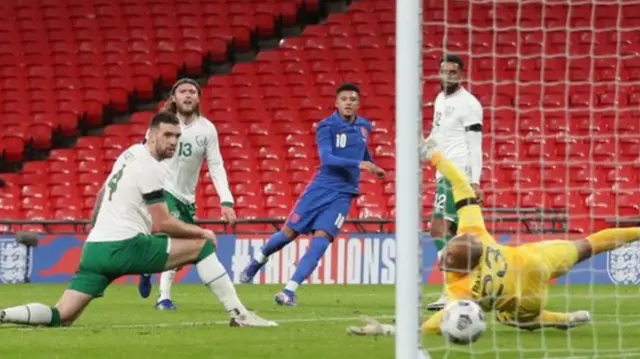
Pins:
x: 198, y: 143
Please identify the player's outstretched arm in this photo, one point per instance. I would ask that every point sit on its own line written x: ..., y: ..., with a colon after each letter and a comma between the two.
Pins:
x: 216, y: 169
x: 324, y: 141
x: 466, y: 203
x: 150, y: 185
x: 163, y: 221
x: 457, y: 287
x: 432, y: 324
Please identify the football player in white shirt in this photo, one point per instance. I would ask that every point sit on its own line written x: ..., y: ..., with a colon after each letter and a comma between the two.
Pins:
x: 130, y: 207
x: 199, y: 142
x: 457, y: 122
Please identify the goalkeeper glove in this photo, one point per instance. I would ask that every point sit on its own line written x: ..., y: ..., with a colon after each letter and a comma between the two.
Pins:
x: 372, y: 327
x: 428, y: 147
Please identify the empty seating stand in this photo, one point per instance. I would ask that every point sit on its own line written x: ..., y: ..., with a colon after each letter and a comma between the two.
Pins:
x: 561, y: 131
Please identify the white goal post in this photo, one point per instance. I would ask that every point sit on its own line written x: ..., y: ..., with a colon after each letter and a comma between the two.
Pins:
x: 559, y: 81
x: 408, y: 176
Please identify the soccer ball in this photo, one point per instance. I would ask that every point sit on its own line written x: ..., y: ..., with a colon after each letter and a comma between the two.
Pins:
x: 463, y: 322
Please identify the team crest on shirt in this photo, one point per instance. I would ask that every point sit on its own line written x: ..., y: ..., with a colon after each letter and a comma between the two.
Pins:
x: 15, y: 262
x: 294, y: 218
x: 365, y: 133
x: 623, y: 264
x: 449, y: 110
x: 201, y: 140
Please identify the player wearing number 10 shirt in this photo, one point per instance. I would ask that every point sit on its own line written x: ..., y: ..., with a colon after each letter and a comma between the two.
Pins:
x: 323, y: 207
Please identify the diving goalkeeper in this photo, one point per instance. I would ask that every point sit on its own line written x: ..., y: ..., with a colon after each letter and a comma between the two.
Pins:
x: 512, y: 280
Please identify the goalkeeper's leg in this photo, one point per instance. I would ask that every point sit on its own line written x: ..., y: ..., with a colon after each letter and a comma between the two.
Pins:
x: 559, y: 256
x: 546, y: 319
x: 606, y: 240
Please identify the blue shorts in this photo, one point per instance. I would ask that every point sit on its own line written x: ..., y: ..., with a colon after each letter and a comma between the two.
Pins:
x: 320, y: 209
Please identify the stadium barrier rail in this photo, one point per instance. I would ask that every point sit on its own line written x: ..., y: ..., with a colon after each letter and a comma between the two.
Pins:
x: 532, y: 220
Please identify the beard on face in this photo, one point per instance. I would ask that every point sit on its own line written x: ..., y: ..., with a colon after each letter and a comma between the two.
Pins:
x: 449, y: 88
x: 187, y: 112
x: 164, y: 153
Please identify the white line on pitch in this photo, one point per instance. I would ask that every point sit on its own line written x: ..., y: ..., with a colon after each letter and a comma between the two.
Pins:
x: 280, y: 321
x: 619, y: 355
x: 205, y: 324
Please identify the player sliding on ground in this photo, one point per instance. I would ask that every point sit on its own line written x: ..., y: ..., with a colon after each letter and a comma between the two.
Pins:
x: 130, y: 207
x: 198, y: 142
x: 512, y: 280
x: 323, y: 207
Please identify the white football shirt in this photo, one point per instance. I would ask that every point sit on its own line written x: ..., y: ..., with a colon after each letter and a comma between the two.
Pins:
x: 452, y: 114
x: 123, y: 212
x: 198, y: 142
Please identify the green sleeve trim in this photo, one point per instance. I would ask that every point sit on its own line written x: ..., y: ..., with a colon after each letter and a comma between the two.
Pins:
x: 227, y: 204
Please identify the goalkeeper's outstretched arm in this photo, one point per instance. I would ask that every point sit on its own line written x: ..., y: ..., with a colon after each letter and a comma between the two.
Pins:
x: 466, y: 203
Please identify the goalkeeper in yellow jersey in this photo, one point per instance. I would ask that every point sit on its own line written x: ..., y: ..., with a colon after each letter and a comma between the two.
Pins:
x: 512, y: 280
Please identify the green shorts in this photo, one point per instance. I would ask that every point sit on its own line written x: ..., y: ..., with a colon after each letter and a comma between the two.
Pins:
x: 182, y: 211
x: 103, y: 262
x: 444, y: 206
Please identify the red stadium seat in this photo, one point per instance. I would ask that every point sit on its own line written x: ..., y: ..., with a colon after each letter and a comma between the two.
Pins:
x: 546, y: 127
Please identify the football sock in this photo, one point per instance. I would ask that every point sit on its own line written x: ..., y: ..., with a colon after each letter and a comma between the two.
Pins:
x: 33, y: 314
x: 215, y: 277
x: 612, y: 238
x: 553, y: 319
x: 166, y: 281
x: 546, y: 319
x: 277, y: 241
x: 309, y: 261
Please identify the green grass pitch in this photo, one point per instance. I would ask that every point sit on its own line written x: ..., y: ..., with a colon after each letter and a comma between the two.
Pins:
x: 122, y: 325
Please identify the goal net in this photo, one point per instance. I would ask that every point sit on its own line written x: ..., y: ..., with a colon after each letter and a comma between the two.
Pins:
x: 559, y: 82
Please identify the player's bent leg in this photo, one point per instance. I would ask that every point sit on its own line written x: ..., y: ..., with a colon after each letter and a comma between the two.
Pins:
x: 308, y: 263
x: 213, y: 274
x: 71, y: 305
x: 546, y: 319
x: 64, y: 313
x: 277, y: 241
